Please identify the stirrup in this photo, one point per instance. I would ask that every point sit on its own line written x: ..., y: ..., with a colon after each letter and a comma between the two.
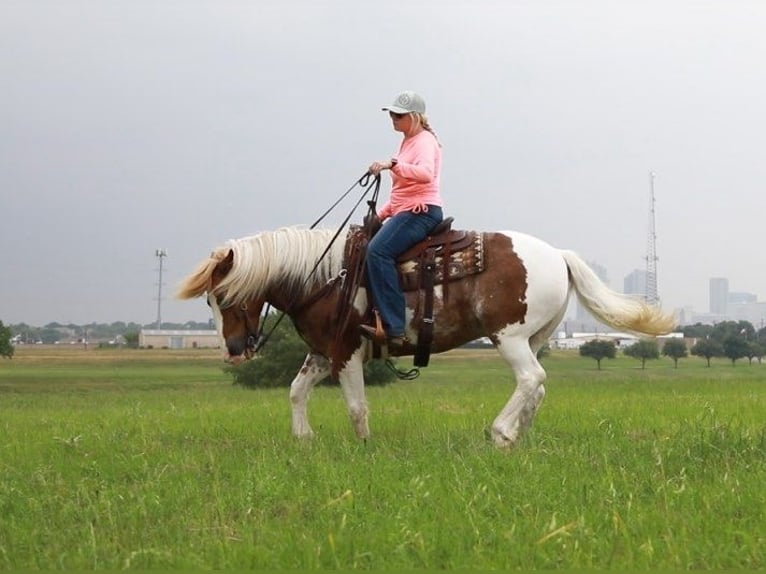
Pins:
x: 373, y: 334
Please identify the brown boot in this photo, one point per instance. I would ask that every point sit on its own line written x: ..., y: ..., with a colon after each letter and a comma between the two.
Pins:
x: 397, y: 342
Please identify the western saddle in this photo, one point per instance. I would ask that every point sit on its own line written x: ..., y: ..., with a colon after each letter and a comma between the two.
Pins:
x: 444, y: 255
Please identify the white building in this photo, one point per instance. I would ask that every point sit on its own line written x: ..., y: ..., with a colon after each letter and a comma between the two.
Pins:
x: 178, y: 339
x: 621, y: 340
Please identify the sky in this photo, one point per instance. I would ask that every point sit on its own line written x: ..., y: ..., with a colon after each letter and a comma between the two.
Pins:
x: 128, y: 126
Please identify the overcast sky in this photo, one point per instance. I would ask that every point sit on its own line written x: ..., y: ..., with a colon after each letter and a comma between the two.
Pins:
x: 127, y: 126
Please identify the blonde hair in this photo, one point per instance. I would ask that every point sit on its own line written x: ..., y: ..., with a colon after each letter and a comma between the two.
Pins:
x: 419, y: 119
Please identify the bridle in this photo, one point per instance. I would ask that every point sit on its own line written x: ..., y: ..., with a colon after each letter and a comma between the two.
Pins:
x: 253, y: 333
x: 251, y: 343
x: 260, y: 339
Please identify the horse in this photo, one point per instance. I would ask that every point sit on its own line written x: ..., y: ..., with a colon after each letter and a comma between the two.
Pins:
x: 516, y: 301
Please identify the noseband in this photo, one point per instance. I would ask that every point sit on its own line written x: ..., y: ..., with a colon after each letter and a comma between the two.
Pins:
x: 253, y: 335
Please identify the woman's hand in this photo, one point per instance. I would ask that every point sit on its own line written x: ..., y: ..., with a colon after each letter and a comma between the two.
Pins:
x: 377, y: 166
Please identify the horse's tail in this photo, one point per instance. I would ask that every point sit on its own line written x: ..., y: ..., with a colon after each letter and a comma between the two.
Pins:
x: 620, y: 311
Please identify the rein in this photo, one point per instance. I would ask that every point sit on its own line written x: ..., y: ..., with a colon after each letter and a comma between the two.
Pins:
x: 260, y: 340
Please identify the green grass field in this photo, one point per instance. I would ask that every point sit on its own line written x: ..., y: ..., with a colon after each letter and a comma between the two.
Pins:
x: 152, y: 459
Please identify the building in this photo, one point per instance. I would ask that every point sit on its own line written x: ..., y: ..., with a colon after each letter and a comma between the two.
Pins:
x: 752, y: 312
x: 719, y: 295
x: 738, y: 297
x: 635, y: 283
x: 621, y: 340
x: 178, y: 339
x: 582, y: 315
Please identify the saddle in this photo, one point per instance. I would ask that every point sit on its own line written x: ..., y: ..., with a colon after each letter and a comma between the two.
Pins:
x: 454, y: 253
x: 445, y: 255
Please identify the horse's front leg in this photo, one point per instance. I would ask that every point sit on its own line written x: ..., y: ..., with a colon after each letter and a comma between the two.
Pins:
x: 352, y: 382
x: 315, y: 368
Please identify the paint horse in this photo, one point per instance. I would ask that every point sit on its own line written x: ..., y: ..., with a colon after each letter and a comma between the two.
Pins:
x: 516, y: 301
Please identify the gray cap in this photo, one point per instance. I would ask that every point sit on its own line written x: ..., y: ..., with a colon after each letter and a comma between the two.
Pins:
x: 407, y: 102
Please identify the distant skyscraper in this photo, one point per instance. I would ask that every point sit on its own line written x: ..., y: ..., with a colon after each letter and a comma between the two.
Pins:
x: 719, y: 295
x: 581, y: 313
x: 737, y: 297
x: 635, y: 283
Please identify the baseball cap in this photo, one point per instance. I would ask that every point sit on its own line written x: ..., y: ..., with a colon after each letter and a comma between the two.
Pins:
x: 407, y: 102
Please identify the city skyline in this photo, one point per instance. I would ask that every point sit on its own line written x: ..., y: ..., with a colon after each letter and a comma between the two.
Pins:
x: 723, y: 303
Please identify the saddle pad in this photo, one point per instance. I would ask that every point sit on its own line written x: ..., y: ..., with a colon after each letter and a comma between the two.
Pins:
x: 463, y: 259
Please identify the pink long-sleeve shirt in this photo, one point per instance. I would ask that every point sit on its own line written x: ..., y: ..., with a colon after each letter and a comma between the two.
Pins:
x: 415, y: 176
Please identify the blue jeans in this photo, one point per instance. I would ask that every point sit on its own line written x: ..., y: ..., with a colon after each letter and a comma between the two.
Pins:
x: 398, y: 234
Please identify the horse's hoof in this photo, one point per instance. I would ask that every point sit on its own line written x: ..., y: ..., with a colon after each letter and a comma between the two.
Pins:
x: 499, y: 439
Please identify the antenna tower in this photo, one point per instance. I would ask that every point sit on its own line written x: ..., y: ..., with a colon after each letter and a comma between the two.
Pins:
x: 160, y: 254
x: 652, y: 296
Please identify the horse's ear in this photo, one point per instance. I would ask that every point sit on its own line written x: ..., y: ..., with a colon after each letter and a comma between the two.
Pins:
x: 224, y: 266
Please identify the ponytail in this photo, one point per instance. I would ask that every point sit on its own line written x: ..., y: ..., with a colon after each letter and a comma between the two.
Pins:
x: 422, y: 119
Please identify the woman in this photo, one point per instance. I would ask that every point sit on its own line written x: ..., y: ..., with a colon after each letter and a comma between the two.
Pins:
x: 413, y: 209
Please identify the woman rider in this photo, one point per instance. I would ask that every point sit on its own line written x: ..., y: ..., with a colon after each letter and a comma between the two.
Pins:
x: 413, y: 209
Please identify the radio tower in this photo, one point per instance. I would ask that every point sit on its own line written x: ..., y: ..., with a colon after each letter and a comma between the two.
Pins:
x: 160, y: 254
x: 652, y: 296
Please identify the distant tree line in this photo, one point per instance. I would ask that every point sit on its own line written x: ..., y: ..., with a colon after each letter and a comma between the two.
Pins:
x: 732, y: 340
x: 58, y: 332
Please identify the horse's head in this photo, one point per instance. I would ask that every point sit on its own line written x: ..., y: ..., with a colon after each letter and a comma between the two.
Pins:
x: 238, y: 321
x: 239, y: 324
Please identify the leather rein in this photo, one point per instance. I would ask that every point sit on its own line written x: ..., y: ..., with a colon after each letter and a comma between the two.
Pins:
x: 368, y: 182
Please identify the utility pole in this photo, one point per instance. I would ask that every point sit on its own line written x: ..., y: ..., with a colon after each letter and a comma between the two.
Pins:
x: 161, y: 254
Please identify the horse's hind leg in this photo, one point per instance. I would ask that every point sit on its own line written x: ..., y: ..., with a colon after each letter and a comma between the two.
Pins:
x: 518, y: 413
x: 314, y: 369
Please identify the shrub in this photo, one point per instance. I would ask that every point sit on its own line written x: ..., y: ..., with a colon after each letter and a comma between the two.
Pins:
x: 281, y: 357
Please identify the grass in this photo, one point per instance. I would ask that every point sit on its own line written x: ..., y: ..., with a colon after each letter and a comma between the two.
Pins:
x: 152, y: 459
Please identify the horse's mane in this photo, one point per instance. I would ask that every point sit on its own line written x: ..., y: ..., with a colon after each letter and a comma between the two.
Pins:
x: 200, y: 280
x: 285, y: 257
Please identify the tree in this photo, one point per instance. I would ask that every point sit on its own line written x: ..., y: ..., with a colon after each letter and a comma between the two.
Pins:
x: 755, y: 350
x: 49, y: 335
x: 725, y: 329
x: 643, y: 350
x: 675, y: 349
x: 6, y: 349
x: 598, y: 349
x: 735, y: 347
x: 707, y: 348
x: 131, y: 339
x: 697, y: 331
x: 281, y: 357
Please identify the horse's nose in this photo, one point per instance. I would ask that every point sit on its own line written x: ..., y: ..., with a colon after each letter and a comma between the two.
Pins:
x: 234, y: 359
x: 235, y: 346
